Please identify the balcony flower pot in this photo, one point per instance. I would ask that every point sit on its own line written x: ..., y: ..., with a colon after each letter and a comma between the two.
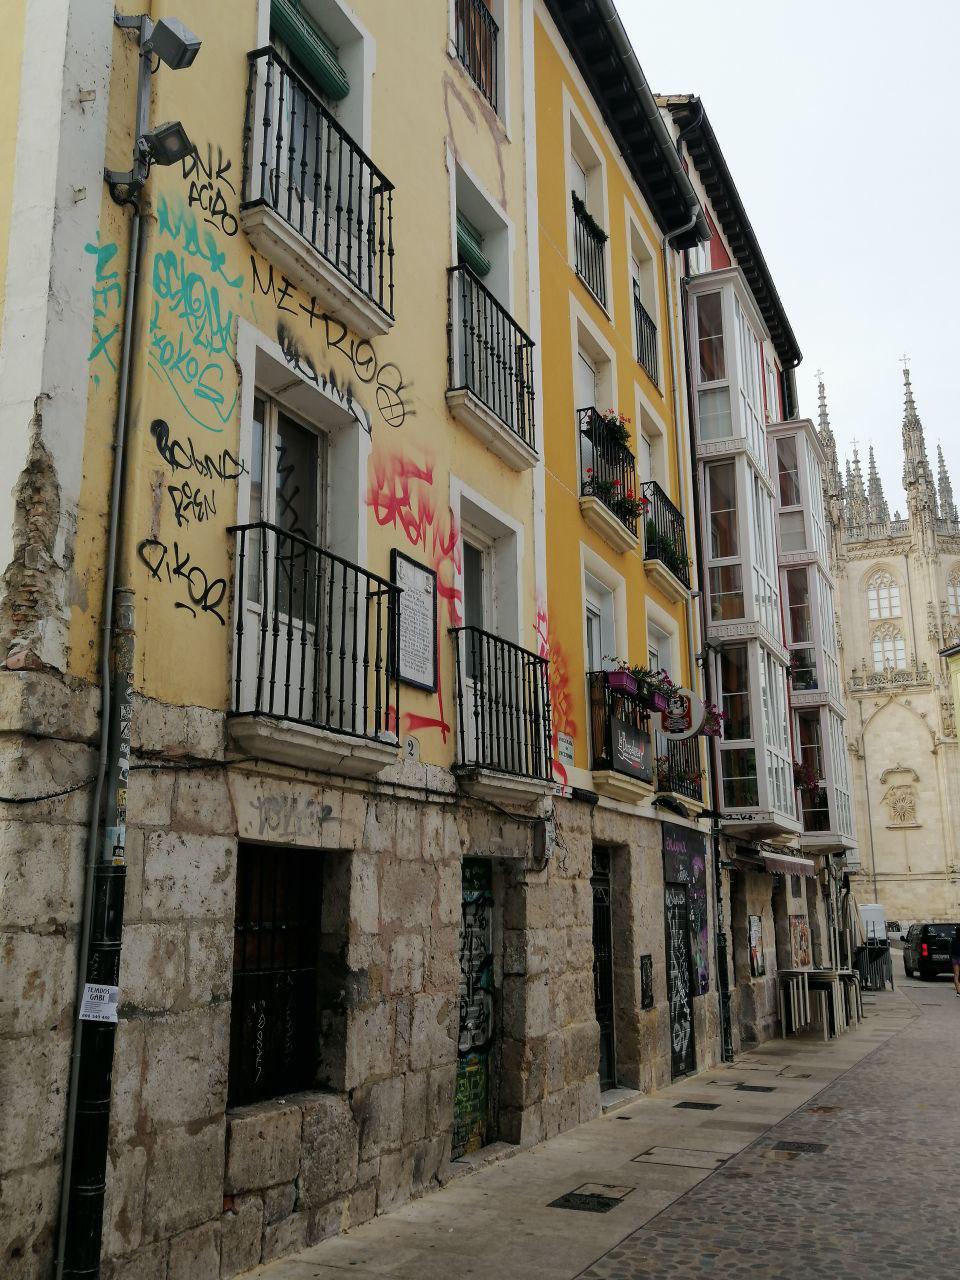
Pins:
x: 658, y: 701
x: 622, y: 682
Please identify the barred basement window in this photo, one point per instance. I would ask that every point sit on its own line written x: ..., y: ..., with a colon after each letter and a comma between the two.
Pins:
x: 273, y: 1024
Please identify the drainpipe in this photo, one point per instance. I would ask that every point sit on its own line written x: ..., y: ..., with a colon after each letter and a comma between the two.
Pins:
x: 866, y: 787
x: 88, y: 1106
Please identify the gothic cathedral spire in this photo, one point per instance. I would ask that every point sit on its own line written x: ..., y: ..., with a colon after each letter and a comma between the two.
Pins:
x: 948, y: 508
x: 917, y: 476
x: 877, y: 512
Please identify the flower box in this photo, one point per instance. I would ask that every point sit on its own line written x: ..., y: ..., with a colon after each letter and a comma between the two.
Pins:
x: 622, y: 682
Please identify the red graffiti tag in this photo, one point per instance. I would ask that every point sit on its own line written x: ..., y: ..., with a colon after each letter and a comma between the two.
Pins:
x: 400, y: 495
x: 561, y: 711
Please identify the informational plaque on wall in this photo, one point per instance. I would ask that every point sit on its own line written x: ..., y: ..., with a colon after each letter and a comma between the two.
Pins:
x: 417, y: 639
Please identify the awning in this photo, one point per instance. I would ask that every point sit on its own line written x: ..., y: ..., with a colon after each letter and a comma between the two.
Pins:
x: 789, y: 865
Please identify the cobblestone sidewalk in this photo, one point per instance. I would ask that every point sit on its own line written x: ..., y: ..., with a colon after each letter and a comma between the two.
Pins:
x: 703, y: 1189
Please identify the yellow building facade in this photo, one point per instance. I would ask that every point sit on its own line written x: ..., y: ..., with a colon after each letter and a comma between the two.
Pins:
x: 295, y: 434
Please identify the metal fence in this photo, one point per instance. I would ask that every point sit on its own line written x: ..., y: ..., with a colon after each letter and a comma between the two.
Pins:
x: 314, y: 635
x: 302, y: 164
x: 608, y: 469
x: 664, y: 533
x: 476, y: 35
x: 589, y: 243
x: 646, y: 337
x: 679, y: 767
x: 502, y: 705
x: 489, y: 354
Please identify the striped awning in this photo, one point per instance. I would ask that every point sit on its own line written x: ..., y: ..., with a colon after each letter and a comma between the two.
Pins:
x: 789, y: 864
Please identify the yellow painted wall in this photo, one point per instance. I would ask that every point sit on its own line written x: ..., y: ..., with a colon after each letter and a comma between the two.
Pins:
x: 566, y: 528
x: 11, y: 57
x: 184, y: 370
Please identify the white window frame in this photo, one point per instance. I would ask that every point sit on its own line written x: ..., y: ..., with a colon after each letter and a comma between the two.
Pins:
x: 580, y: 141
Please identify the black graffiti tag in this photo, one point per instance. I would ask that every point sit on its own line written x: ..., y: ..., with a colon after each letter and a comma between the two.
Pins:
x: 206, y: 188
x: 183, y: 456
x: 191, y: 503
x: 205, y: 594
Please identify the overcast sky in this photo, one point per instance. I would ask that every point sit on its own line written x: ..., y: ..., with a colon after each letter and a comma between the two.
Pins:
x: 838, y: 123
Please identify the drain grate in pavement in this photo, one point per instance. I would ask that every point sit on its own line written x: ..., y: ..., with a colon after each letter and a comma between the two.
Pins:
x: 697, y: 1106
x: 592, y: 1197
x: 807, y: 1147
x: 682, y: 1157
x: 757, y: 1088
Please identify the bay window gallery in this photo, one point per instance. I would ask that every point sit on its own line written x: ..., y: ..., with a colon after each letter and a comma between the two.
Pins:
x: 754, y: 753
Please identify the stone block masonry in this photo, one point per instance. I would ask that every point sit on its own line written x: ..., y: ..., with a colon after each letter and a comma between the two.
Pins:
x: 197, y: 1187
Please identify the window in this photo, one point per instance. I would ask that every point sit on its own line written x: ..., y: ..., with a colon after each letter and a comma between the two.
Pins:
x: 798, y: 606
x: 735, y: 691
x: 773, y: 394
x: 713, y: 403
x: 589, y: 239
x: 476, y: 597
x: 793, y: 535
x: 585, y: 382
x: 273, y: 1015
x: 738, y: 767
x: 601, y: 638
x: 810, y: 742
x: 286, y: 490
x: 889, y: 650
x: 953, y: 593
x: 698, y: 258
x: 659, y: 649
x: 883, y: 596
x: 477, y: 37
x: 788, y: 468
x: 726, y: 592
x: 724, y: 535
x: 748, y: 348
x: 644, y: 456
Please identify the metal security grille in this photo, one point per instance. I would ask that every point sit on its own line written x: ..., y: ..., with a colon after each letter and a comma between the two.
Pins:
x: 603, y: 965
x: 471, y: 1113
x: 477, y: 45
x: 646, y: 337
x: 273, y: 1038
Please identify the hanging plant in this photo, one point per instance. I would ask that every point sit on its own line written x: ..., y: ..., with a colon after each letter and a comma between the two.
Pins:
x: 670, y: 777
x: 713, y: 721
x: 585, y: 216
x: 804, y: 777
x: 615, y: 428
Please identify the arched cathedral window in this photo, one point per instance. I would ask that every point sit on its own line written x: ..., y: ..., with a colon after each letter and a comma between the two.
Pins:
x: 889, y: 650
x: 883, y: 596
x: 953, y: 592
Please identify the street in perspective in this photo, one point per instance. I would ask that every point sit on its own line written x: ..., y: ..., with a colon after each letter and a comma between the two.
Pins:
x: 479, y: 640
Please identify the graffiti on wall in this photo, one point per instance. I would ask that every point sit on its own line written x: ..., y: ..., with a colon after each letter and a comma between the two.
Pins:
x: 107, y: 296
x: 193, y: 318
x: 400, y: 495
x: 685, y: 863
x: 561, y: 703
x: 207, y: 184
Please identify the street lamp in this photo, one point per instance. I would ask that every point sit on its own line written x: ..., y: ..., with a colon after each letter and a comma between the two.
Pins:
x: 174, y: 44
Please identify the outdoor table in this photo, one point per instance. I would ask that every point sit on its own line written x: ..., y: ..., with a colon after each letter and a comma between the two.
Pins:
x: 829, y: 980
x: 792, y: 987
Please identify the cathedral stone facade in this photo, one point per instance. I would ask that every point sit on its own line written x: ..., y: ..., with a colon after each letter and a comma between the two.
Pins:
x: 898, y: 596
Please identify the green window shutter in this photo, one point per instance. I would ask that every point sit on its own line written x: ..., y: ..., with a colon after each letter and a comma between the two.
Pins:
x: 470, y: 247
x: 309, y: 46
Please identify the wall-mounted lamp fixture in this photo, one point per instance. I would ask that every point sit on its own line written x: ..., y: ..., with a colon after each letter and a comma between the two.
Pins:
x: 176, y: 46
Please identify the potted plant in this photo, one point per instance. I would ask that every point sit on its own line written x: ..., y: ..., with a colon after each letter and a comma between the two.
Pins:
x: 630, y: 506
x: 675, y: 777
x: 713, y: 721
x: 614, y: 428
x: 622, y: 679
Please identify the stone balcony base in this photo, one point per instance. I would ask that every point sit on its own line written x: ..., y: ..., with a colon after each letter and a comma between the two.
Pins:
x: 310, y: 747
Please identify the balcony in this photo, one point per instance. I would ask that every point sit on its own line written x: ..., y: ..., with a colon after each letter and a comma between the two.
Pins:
x: 608, y: 482
x: 312, y: 202
x: 589, y: 246
x: 680, y: 769
x: 646, y: 338
x: 665, y: 543
x: 490, y: 371
x: 623, y: 758
x: 476, y: 38
x: 502, y: 716
x: 314, y: 684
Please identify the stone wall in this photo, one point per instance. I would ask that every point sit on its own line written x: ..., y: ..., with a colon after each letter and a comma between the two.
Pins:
x: 195, y: 1189
x: 757, y: 1013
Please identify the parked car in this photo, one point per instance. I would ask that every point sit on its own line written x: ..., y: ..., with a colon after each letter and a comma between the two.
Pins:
x: 926, y: 950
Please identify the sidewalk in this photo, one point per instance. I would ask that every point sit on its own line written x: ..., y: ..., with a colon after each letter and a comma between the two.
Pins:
x: 502, y: 1222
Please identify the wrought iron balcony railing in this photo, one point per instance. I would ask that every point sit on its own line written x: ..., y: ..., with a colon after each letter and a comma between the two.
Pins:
x: 314, y: 636
x: 502, y: 706
x: 607, y: 469
x: 646, y: 337
x: 301, y: 163
x: 489, y: 354
x: 619, y: 730
x: 664, y: 533
x: 679, y: 767
x: 589, y: 242
x: 477, y: 45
